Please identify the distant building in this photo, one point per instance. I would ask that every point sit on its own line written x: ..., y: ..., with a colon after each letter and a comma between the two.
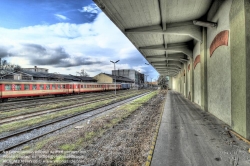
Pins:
x: 17, y: 76
x: 132, y: 74
x: 31, y: 75
x: 36, y: 69
x: 108, y: 78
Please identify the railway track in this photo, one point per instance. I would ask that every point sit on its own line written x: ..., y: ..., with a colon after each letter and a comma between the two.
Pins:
x: 73, y: 119
x: 24, y: 99
x: 4, y: 107
x: 39, y: 113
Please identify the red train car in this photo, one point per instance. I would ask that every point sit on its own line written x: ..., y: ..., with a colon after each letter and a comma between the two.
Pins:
x: 21, y: 88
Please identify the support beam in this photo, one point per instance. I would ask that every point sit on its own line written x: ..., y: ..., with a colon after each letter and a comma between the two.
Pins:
x: 182, y: 28
x: 175, y: 68
x: 178, y: 48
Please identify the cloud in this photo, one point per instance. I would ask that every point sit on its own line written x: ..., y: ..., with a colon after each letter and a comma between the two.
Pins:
x: 65, y: 46
x: 3, y: 52
x: 61, y: 17
x: 92, y: 8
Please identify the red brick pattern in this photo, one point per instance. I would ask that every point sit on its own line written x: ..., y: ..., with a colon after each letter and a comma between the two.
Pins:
x: 219, y: 40
x: 197, y: 60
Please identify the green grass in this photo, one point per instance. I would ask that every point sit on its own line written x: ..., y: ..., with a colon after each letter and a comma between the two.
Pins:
x: 44, y: 107
x: 59, y: 159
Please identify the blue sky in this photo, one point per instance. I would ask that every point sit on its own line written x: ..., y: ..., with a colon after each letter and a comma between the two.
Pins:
x: 65, y: 36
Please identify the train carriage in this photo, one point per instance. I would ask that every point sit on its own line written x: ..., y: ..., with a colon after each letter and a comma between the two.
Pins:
x: 29, y: 88
x: 16, y: 88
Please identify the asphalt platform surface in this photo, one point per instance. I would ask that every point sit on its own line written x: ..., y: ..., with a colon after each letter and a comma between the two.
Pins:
x: 189, y: 136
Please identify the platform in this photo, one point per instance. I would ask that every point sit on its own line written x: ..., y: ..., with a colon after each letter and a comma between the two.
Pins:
x: 189, y: 136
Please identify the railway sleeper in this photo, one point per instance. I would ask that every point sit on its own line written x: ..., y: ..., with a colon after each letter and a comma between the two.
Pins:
x: 4, y: 100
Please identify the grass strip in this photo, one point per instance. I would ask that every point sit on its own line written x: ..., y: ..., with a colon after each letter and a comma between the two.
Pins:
x: 44, y: 107
x: 42, y: 118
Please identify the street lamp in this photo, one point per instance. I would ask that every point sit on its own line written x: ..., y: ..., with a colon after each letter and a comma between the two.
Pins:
x: 138, y: 79
x: 151, y: 82
x: 115, y: 74
x: 146, y: 80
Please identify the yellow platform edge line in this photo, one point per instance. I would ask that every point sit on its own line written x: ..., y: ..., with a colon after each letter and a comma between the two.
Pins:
x: 151, y: 152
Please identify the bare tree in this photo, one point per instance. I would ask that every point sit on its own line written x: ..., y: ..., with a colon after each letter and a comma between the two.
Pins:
x: 6, y: 67
x: 83, y: 73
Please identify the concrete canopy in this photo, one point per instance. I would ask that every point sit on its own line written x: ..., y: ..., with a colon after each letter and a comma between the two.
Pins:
x: 162, y: 30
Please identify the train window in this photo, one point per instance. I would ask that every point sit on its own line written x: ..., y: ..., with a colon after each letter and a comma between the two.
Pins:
x: 81, y: 86
x: 17, y: 87
x: 53, y: 86
x: 7, y: 87
x: 64, y: 86
x: 47, y: 87
x: 26, y: 87
x: 41, y: 87
x: 58, y: 86
x: 76, y: 86
x: 84, y: 86
x: 70, y: 86
x: 34, y: 87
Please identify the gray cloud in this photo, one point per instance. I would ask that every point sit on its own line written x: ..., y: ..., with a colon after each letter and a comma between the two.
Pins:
x: 78, y: 61
x: 3, y: 52
x: 41, y: 55
x: 34, y: 48
x: 58, y: 57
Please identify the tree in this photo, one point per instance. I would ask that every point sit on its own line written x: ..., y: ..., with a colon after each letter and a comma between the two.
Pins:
x: 83, y: 73
x: 6, y: 67
x: 162, y: 81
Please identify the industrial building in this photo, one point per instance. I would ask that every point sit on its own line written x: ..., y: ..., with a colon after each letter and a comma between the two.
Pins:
x: 132, y: 74
x: 109, y: 78
x: 36, y: 69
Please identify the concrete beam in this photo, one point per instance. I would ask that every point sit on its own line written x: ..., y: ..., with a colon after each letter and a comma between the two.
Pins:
x: 177, y: 47
x: 172, y: 67
x: 182, y: 28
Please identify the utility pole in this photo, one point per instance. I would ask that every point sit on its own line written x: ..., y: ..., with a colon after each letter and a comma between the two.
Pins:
x: 146, y: 80
x: 138, y: 79
x: 115, y: 74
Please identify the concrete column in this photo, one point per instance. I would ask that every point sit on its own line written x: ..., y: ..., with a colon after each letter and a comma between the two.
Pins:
x: 203, y: 56
x: 170, y: 83
x: 186, y: 80
x: 192, y: 79
x: 240, y: 66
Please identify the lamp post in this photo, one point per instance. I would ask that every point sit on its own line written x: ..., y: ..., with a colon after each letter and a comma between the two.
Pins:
x: 151, y: 82
x: 146, y: 79
x: 115, y: 74
x: 138, y: 79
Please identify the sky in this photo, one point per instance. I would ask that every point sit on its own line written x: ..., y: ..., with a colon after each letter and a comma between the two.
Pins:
x: 65, y: 36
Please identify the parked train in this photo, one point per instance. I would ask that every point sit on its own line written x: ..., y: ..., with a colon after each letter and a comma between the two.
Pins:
x: 29, y: 88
